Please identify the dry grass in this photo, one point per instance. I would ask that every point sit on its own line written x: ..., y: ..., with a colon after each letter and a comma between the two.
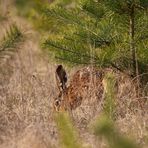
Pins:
x: 26, y: 113
x: 27, y: 87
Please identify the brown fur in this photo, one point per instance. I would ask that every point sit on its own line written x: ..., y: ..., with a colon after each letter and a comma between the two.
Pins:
x: 85, y: 82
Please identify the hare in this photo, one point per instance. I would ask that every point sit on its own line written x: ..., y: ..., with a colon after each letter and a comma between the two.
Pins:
x: 89, y: 88
x: 85, y: 83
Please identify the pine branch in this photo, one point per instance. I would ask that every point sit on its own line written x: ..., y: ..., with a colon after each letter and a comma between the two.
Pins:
x: 73, y: 61
x: 10, y: 41
x: 59, y: 46
x: 96, y: 32
x: 70, y: 17
x: 94, y: 9
x: 12, y: 36
x: 94, y: 40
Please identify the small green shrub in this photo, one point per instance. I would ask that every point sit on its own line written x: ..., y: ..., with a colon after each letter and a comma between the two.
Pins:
x: 105, y: 127
x: 68, y: 137
x: 109, y: 83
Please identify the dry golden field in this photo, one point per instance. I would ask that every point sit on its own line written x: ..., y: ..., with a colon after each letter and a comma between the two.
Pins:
x: 27, y: 89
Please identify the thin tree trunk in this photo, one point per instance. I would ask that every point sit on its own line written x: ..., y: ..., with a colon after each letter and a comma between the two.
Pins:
x: 132, y: 45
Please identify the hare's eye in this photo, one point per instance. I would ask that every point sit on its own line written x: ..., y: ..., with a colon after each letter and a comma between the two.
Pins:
x: 57, y: 103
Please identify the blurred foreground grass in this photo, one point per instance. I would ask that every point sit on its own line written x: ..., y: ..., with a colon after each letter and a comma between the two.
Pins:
x: 103, y: 127
x: 68, y: 136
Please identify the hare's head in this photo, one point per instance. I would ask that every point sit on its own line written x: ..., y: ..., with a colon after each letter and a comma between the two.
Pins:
x: 59, y: 105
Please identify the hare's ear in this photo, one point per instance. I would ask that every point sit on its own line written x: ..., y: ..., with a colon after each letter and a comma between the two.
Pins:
x: 61, y: 77
x: 58, y: 82
x: 59, y: 69
x: 58, y: 76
